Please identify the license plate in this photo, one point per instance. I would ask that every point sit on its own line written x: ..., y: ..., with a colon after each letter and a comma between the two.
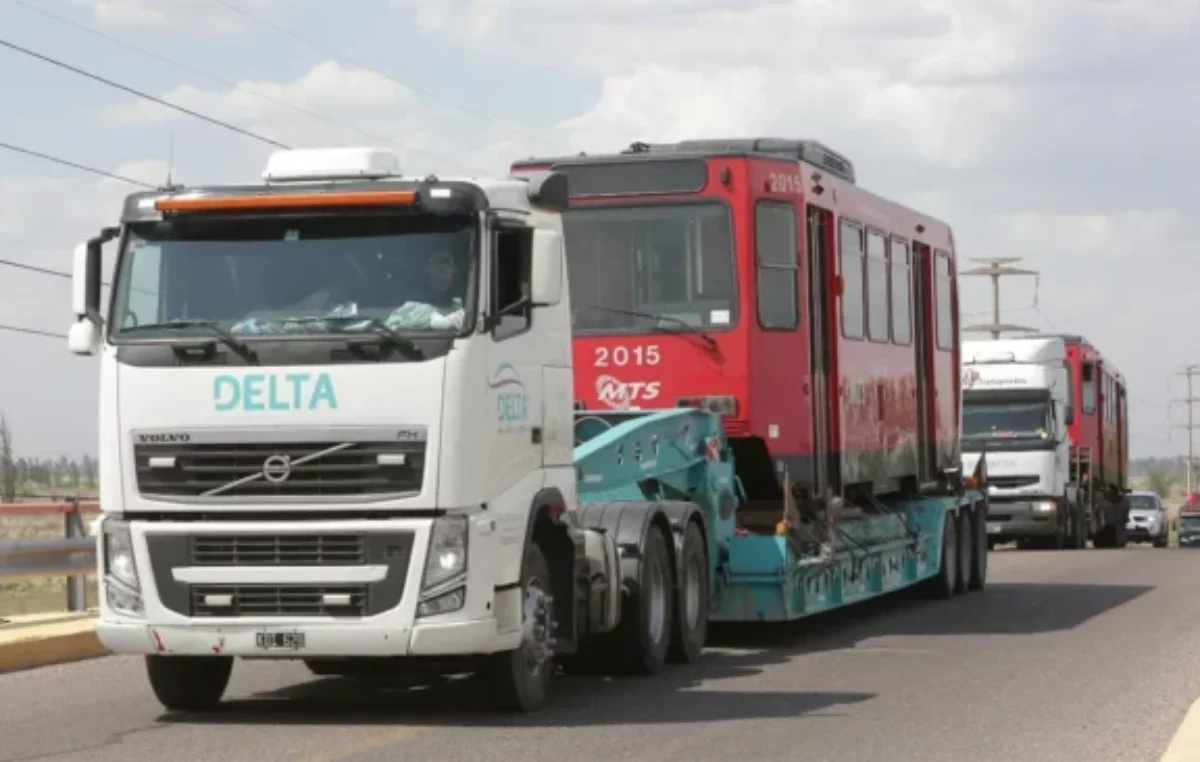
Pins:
x: 268, y: 640
x: 994, y: 529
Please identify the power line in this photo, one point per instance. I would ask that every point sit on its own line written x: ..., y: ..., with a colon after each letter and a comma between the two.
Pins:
x: 230, y: 84
x: 40, y: 270
x: 139, y: 93
x: 32, y: 331
x: 329, y: 51
x: 34, y: 269
x: 73, y: 165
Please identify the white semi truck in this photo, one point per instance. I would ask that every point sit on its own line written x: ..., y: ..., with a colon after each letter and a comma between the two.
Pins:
x: 337, y: 424
x: 1017, y: 406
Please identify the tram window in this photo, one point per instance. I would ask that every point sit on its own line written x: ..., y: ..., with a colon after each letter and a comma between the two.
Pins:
x: 850, y: 268
x: 945, y: 317
x: 878, y: 308
x: 775, y: 248
x: 901, y: 266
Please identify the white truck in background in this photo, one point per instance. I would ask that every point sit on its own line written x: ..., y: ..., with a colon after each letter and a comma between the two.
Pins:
x: 1017, y: 406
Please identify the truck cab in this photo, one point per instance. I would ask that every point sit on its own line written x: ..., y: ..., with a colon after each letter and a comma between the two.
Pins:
x: 1017, y: 406
x: 334, y: 408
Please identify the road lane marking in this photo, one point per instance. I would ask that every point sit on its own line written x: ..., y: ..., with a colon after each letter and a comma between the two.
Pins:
x: 1185, y: 744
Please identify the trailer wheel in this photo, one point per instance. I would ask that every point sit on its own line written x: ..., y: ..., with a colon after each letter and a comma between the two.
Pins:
x: 691, y: 612
x: 942, y: 584
x: 519, y: 680
x: 189, y: 683
x: 1076, y: 532
x: 966, y: 548
x: 647, y: 615
x: 983, y: 545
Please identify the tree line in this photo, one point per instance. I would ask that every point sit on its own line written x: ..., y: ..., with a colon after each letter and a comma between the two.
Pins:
x: 42, y: 477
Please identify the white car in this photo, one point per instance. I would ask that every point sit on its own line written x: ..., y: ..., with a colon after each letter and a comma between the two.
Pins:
x: 1147, y: 519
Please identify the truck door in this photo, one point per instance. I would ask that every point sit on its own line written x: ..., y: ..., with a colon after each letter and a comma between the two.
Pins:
x: 512, y: 427
x: 820, y: 250
x: 924, y: 326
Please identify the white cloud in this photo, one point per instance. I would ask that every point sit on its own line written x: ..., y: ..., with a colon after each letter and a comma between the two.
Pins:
x: 333, y: 104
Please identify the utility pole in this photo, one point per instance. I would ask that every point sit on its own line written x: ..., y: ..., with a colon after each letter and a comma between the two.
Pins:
x: 996, y: 268
x: 1189, y: 371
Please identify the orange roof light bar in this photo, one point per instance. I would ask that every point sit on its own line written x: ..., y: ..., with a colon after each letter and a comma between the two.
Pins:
x: 286, y: 201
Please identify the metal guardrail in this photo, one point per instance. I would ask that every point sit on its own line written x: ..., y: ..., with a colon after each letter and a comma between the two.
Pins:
x: 72, y: 556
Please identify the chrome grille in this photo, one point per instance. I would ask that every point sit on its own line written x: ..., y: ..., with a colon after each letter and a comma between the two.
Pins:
x: 278, y: 550
x: 277, y: 600
x: 281, y: 469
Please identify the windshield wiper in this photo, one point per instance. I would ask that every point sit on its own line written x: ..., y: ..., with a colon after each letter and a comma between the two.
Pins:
x: 240, y: 347
x: 691, y: 329
x: 405, y: 344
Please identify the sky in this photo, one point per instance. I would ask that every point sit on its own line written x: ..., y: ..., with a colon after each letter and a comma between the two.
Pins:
x: 1059, y: 131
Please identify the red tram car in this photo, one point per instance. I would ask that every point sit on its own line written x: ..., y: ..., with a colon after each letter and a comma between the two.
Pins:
x: 1099, y: 433
x: 755, y: 278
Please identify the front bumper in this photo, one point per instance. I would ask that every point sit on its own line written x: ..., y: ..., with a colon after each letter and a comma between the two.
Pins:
x: 183, y: 567
x: 1018, y: 519
x: 320, y: 640
x: 1137, y: 532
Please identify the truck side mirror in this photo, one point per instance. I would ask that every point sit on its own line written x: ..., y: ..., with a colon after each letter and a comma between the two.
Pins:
x: 546, y: 275
x: 84, y: 336
x: 1069, y: 415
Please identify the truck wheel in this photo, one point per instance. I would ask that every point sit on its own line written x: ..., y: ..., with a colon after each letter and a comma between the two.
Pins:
x: 942, y: 584
x: 646, y: 618
x: 1076, y: 532
x: 691, y: 614
x: 966, y: 548
x: 1120, y: 535
x: 983, y: 545
x: 519, y: 680
x: 1160, y: 542
x: 189, y: 683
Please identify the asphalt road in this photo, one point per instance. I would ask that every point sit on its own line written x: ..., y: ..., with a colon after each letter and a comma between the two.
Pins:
x: 1072, y: 655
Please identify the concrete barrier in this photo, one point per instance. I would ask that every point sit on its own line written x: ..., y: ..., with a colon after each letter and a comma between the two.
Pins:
x: 40, y: 640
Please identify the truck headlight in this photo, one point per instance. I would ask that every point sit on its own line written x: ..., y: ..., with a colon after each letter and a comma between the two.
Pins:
x: 1045, y: 506
x: 443, y: 588
x: 122, y: 586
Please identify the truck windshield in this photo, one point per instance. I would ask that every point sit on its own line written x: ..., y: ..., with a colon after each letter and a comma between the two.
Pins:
x: 271, y: 275
x: 1005, y: 419
x: 672, y: 263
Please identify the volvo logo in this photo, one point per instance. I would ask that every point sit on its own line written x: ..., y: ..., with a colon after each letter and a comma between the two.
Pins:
x: 277, y: 468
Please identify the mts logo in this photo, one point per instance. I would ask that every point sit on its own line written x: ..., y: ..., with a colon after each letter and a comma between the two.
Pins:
x: 261, y: 392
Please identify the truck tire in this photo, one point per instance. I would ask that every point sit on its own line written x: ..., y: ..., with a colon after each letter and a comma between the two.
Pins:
x: 519, y: 680
x: 1120, y: 535
x: 1161, y: 542
x: 647, y: 614
x: 691, y: 612
x: 1076, y: 531
x: 189, y: 683
x: 966, y: 548
x: 979, y: 569
x: 942, y: 584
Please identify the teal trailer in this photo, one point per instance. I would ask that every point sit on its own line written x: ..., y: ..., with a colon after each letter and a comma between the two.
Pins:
x: 674, y: 469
